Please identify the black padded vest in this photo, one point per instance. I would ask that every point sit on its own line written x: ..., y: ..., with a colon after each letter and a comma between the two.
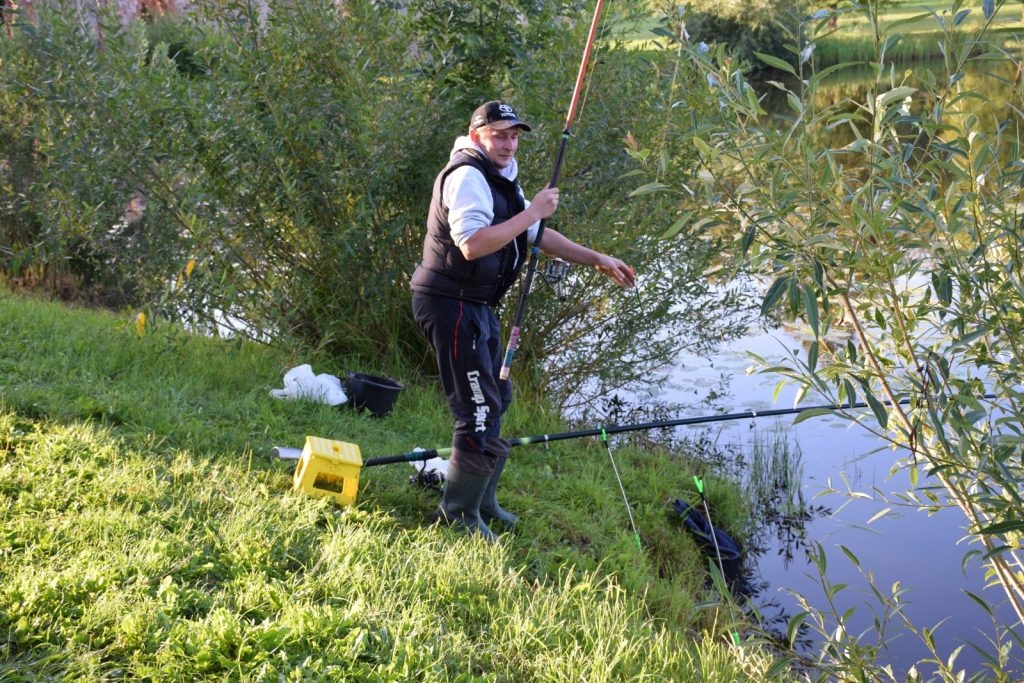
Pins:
x: 444, y: 271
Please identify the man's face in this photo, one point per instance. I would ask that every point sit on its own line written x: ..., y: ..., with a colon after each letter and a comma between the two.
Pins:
x: 499, y: 145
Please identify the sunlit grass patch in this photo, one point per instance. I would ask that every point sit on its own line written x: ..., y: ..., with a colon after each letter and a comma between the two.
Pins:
x: 920, y: 27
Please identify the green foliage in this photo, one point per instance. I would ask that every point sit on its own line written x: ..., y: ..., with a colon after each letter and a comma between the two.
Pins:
x: 467, y: 50
x: 631, y: 96
x: 146, y: 535
x: 268, y: 176
x: 892, y: 220
x: 265, y: 176
x: 746, y: 27
x: 742, y: 38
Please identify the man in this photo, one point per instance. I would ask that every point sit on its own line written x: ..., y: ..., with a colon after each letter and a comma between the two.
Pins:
x: 479, y: 228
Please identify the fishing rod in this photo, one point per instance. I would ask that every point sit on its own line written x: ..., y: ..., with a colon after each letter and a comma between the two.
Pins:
x: 513, y: 337
x: 338, y: 464
x: 429, y: 454
x: 736, y: 640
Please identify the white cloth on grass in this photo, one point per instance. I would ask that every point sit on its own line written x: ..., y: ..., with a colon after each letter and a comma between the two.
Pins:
x: 301, y: 383
x: 439, y: 465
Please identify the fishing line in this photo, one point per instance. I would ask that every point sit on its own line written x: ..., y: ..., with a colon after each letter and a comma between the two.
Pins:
x: 718, y: 552
x: 707, y: 513
x: 629, y: 508
x: 586, y: 92
x: 683, y: 39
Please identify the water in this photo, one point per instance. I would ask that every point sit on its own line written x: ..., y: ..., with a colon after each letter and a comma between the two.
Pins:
x: 922, y: 552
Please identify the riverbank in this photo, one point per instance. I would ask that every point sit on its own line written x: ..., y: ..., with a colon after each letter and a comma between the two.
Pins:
x: 921, y: 29
x: 146, y: 533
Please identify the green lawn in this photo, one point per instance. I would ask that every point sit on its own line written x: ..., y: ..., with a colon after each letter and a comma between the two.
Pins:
x: 146, y: 535
x: 922, y: 31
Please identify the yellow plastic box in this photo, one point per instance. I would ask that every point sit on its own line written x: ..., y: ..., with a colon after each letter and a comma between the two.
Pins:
x: 329, y: 468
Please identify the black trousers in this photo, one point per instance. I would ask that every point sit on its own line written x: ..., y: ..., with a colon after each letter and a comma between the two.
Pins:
x: 466, y: 339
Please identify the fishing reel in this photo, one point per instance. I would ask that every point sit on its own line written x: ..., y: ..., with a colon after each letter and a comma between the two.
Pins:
x: 428, y: 479
x: 554, y: 273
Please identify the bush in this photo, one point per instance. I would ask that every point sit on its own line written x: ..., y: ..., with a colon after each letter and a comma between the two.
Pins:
x: 268, y: 176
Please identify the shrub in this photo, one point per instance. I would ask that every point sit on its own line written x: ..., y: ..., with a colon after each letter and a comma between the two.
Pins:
x: 268, y: 175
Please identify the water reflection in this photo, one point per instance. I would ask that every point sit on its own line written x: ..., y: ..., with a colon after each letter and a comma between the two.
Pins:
x: 996, y: 82
x: 826, y: 483
x: 845, y: 498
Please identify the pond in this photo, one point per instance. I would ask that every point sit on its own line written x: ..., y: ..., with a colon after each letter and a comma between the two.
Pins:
x: 847, y: 487
x: 922, y: 552
x: 997, y: 82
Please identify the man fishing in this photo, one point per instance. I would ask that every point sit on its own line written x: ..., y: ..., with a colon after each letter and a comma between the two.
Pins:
x: 479, y: 229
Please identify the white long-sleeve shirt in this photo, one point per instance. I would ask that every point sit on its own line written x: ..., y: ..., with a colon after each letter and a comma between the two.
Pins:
x: 468, y: 197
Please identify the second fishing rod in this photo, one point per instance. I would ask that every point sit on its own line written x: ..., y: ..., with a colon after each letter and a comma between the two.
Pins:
x: 422, y: 454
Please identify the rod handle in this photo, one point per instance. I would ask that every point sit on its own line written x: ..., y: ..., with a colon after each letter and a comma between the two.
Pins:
x: 285, y: 453
x: 411, y: 456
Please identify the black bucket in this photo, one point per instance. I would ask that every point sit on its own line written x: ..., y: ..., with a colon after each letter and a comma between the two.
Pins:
x: 376, y: 394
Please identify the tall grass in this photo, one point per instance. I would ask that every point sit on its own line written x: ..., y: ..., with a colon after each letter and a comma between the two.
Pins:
x: 146, y: 535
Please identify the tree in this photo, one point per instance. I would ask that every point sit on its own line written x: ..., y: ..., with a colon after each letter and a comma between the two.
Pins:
x: 746, y: 27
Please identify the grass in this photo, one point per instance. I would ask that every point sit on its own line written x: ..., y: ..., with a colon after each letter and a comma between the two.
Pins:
x: 146, y: 535
x: 920, y: 25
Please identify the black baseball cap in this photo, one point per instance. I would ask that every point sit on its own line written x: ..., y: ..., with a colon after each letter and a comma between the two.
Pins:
x: 498, y: 115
